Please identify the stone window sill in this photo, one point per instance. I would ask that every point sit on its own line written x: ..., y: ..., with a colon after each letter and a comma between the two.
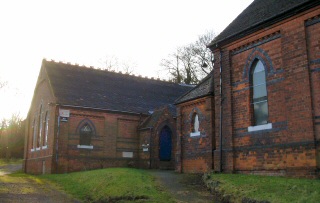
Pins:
x: 195, y: 134
x: 85, y: 146
x: 45, y: 147
x: 38, y: 148
x: 32, y: 150
x: 267, y: 126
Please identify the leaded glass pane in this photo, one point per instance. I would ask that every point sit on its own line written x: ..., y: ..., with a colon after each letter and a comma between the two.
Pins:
x: 259, y: 78
x: 259, y: 91
x: 196, y: 123
x: 261, y: 112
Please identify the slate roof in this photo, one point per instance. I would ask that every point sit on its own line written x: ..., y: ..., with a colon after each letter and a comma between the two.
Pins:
x: 87, y: 87
x: 204, y: 88
x: 259, y: 14
x: 152, y: 120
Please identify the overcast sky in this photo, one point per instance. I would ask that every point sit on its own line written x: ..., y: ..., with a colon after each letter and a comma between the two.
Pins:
x: 139, y: 31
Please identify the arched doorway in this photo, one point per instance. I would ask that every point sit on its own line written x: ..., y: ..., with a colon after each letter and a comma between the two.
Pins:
x: 165, y: 144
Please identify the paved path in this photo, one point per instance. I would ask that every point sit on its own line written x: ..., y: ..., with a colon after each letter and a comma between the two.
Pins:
x: 27, y: 190
x: 184, y: 187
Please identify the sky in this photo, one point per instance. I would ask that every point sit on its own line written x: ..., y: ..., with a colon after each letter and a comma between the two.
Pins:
x: 141, y: 32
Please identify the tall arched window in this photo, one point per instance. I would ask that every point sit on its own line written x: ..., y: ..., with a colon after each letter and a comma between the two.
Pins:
x: 34, y: 134
x: 195, y: 125
x: 40, y: 128
x: 259, y: 93
x: 46, y: 130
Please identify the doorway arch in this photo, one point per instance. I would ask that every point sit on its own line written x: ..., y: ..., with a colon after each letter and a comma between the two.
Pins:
x: 165, y: 144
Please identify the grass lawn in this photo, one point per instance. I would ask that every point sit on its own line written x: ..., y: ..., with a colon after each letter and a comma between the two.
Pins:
x: 112, y: 184
x: 273, y: 189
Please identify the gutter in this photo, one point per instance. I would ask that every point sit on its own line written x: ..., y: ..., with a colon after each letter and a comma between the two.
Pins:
x: 101, y: 109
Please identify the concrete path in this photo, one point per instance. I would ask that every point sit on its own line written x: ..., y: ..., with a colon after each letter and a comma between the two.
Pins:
x: 27, y: 190
x: 184, y: 187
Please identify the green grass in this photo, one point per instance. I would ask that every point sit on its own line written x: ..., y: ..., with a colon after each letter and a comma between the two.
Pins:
x: 112, y: 184
x: 273, y: 189
x: 10, y: 161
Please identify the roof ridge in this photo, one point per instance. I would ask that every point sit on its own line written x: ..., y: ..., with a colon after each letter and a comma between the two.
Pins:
x: 93, y: 68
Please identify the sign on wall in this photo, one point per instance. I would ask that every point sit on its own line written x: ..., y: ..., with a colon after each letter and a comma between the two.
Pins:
x: 64, y: 115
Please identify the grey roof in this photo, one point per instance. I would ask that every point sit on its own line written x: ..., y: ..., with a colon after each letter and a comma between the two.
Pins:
x: 152, y: 120
x: 204, y: 88
x: 87, y: 87
x: 259, y: 14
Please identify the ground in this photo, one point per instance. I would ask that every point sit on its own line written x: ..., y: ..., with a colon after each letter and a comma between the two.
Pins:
x: 184, y: 187
x: 27, y: 190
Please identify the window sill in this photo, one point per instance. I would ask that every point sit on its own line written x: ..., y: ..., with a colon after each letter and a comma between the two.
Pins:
x: 45, y: 147
x: 32, y: 150
x: 195, y: 134
x: 85, y: 146
x: 38, y: 148
x: 260, y: 127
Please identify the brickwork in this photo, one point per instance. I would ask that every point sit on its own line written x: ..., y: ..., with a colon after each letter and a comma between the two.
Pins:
x: 114, y: 142
x: 286, y: 50
x: 35, y: 155
x: 151, y: 136
x: 195, y: 152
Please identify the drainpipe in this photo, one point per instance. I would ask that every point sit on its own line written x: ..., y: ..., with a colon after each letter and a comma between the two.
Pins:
x: 150, y: 148
x: 221, y: 101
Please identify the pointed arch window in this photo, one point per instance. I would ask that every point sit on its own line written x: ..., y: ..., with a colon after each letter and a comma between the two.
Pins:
x: 39, y: 139
x: 34, y: 136
x: 259, y: 94
x: 195, y: 125
x: 46, y: 131
x: 85, y: 135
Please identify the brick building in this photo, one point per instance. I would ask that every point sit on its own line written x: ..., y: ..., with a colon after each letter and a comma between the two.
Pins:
x: 83, y: 118
x: 269, y: 58
x: 258, y: 112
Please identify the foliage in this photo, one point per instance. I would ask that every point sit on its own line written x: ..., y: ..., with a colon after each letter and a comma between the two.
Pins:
x: 12, y: 137
x: 272, y: 189
x: 190, y: 63
x: 112, y: 184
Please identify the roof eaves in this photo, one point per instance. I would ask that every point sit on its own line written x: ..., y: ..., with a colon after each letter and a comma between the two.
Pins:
x: 199, y: 97
x: 202, y: 81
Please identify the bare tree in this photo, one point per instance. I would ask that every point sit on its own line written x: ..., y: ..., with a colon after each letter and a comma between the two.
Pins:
x: 192, y: 62
x: 172, y: 67
x: 3, y: 84
x: 112, y: 63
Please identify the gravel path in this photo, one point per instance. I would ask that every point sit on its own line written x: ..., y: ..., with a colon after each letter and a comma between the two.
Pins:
x: 184, y: 187
x: 27, y: 190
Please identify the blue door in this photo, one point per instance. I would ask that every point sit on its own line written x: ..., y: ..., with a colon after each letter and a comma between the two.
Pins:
x: 165, y: 145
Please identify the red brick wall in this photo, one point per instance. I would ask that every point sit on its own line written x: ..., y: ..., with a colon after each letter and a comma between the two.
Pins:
x: 114, y: 134
x: 313, y: 43
x: 151, y: 137
x: 194, y: 153
x: 287, y: 49
x: 34, y: 157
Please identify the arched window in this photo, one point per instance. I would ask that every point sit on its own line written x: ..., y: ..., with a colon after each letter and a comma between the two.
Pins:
x: 85, y: 135
x: 259, y: 93
x: 34, y: 134
x: 46, y: 130
x: 40, y: 128
x: 195, y: 125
